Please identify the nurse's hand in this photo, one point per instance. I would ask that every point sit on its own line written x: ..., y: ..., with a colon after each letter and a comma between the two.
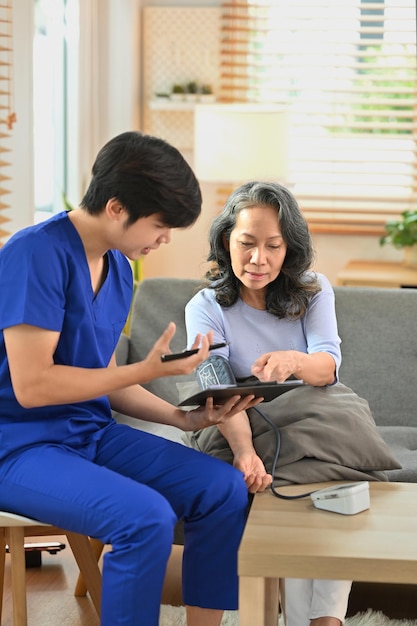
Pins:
x: 211, y: 413
x: 156, y: 368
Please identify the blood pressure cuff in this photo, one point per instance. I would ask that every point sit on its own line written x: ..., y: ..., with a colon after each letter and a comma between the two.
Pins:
x: 215, y: 370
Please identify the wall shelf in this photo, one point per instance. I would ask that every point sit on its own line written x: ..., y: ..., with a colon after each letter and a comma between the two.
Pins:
x: 165, y: 104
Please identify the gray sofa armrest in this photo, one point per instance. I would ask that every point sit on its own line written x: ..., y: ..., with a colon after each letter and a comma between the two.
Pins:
x: 169, y: 432
x: 156, y: 302
x: 122, y: 350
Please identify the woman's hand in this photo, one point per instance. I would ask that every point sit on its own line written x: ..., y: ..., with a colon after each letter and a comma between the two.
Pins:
x: 277, y: 365
x: 251, y: 465
x: 211, y: 414
x: 317, y: 368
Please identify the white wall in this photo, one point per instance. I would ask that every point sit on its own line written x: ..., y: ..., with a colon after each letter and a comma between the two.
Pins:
x: 334, y: 251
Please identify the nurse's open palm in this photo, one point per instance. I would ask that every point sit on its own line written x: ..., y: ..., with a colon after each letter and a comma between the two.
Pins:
x: 211, y: 414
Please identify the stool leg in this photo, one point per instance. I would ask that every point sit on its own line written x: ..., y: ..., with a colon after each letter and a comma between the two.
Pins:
x: 97, y: 548
x: 16, y: 541
x: 87, y: 562
x: 2, y: 566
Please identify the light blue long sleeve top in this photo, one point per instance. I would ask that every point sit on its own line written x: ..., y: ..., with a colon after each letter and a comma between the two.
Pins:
x: 251, y: 332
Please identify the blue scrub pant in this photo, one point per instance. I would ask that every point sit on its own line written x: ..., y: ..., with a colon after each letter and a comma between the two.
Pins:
x: 130, y: 495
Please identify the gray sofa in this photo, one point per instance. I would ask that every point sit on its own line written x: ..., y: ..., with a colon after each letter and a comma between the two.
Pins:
x: 378, y: 328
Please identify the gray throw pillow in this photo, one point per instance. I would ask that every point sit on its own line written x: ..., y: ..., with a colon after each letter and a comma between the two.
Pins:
x: 326, y: 433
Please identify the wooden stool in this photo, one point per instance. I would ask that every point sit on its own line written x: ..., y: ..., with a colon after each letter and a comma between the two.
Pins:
x: 13, y: 530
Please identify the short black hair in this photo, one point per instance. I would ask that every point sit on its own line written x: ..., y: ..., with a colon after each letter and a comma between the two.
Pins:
x: 147, y: 175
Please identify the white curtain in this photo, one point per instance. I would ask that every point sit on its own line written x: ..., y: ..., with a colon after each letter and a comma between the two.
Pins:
x: 104, y: 75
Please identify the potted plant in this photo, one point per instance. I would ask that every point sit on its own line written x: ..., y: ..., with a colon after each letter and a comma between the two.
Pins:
x: 206, y: 94
x: 177, y: 93
x: 191, y: 91
x: 162, y: 95
x: 402, y: 233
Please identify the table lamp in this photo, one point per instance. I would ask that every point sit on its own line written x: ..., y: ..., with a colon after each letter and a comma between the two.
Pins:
x: 235, y: 143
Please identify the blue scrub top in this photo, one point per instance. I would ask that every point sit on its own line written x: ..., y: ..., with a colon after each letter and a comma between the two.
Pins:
x: 45, y: 282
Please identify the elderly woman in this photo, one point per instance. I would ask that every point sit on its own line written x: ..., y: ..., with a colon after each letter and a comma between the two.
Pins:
x: 278, y: 318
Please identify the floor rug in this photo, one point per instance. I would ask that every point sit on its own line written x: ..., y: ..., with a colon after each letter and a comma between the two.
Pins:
x: 175, y: 616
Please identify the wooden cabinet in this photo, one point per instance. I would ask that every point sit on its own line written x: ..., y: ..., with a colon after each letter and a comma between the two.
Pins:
x: 389, y: 274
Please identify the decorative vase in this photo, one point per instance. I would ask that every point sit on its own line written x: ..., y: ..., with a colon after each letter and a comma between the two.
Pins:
x: 410, y: 256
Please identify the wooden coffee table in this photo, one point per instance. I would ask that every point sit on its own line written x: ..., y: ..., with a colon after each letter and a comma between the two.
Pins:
x: 291, y: 538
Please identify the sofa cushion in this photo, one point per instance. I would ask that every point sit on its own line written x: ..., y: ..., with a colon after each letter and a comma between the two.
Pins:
x: 378, y: 328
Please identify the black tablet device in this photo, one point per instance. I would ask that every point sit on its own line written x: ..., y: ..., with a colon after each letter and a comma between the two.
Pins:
x: 221, y: 393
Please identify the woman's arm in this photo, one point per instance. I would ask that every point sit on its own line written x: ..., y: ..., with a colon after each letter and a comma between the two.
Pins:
x: 238, y: 433
x: 318, y: 364
x: 316, y: 369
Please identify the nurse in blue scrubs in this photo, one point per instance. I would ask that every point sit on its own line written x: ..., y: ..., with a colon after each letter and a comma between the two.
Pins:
x: 66, y: 287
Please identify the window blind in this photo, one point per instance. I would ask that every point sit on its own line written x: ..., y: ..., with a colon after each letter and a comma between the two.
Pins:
x: 346, y: 71
x: 7, y: 114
